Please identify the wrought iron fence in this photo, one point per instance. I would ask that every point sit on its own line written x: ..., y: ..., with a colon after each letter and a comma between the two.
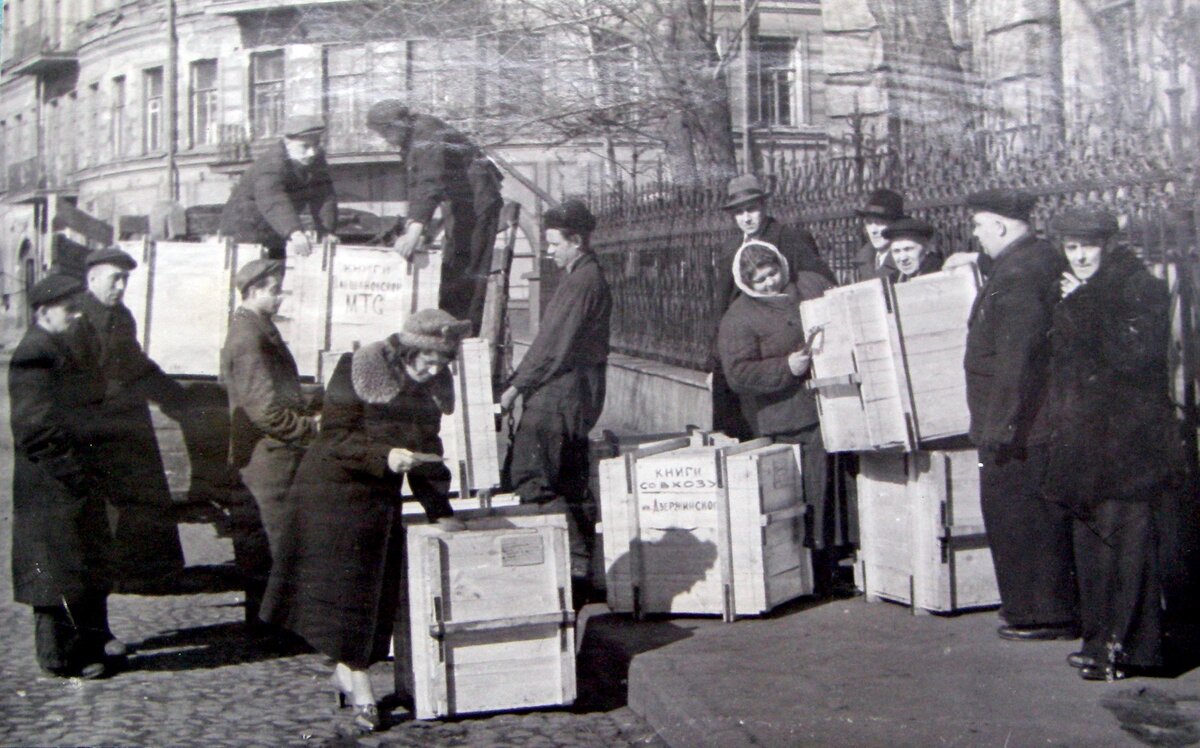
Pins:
x: 658, y: 245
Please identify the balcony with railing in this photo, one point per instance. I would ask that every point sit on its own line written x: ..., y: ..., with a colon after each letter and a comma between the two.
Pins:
x: 235, y: 147
x: 34, y: 177
x: 42, y: 48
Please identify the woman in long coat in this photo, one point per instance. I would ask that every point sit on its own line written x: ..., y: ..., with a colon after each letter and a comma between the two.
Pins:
x: 61, y: 543
x: 763, y: 350
x: 336, y: 577
x: 1113, y: 451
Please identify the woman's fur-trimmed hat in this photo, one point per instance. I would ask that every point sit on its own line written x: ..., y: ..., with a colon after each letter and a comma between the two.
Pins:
x: 433, y: 330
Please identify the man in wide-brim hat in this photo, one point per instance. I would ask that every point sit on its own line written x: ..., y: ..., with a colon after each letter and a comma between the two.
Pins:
x: 873, y: 259
x: 287, y: 179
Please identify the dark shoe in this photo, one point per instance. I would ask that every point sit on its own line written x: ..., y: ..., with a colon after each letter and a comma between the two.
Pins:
x: 1103, y: 672
x: 115, y: 648
x: 1039, y: 632
x: 1080, y: 660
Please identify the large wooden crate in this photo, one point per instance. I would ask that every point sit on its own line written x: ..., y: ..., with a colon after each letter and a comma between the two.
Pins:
x: 921, y: 534
x: 490, y: 623
x: 887, y: 360
x: 704, y: 529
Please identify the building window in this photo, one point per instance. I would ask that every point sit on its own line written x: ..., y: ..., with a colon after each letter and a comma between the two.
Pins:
x: 266, y: 93
x: 618, y: 75
x: 439, y: 81
x: 775, y: 77
x: 93, y: 136
x: 152, y: 114
x: 520, y: 73
x: 202, y: 95
x: 116, y: 120
x: 346, y: 91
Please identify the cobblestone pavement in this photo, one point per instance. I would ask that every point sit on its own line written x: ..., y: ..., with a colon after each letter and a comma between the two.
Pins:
x: 193, y: 680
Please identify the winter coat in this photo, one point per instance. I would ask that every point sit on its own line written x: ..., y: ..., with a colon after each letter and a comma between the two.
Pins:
x: 441, y: 164
x: 1008, y: 350
x: 337, y: 568
x: 265, y: 205
x: 866, y: 265
x: 795, y: 243
x: 757, y: 335
x: 131, y: 467
x: 564, y: 369
x: 1114, y: 432
x: 265, y: 400
x: 60, y: 543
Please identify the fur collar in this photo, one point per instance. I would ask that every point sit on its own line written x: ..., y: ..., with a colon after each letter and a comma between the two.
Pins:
x: 378, y: 376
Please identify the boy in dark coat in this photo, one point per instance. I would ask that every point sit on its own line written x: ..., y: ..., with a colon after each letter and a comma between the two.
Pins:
x: 287, y: 178
x: 1006, y: 364
x: 146, y: 541
x: 562, y: 381
x: 60, y: 552
x: 269, y: 422
x: 442, y: 167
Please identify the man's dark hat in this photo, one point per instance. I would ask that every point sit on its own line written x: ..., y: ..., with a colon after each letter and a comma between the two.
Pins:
x: 53, y: 288
x: 744, y: 189
x: 387, y: 112
x: 909, y: 228
x: 111, y: 256
x: 1085, y: 223
x: 256, y: 270
x: 885, y: 204
x: 1003, y: 201
x: 300, y: 125
x: 570, y: 217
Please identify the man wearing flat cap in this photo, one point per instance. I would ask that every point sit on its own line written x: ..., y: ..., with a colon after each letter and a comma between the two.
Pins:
x: 146, y: 541
x: 746, y: 204
x: 443, y: 168
x: 284, y: 181
x: 562, y: 381
x: 874, y: 257
x: 60, y: 538
x: 1006, y: 362
x: 911, y: 250
x: 269, y: 423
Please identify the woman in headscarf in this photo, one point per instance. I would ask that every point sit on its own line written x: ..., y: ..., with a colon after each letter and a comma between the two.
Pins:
x: 1113, y: 451
x: 336, y: 577
x: 765, y: 357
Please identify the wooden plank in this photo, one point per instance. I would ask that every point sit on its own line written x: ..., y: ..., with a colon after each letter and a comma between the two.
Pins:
x: 885, y: 529
x: 188, y: 309
x: 374, y: 290
x: 843, y: 421
x: 137, y: 288
x: 469, y: 433
x: 874, y: 352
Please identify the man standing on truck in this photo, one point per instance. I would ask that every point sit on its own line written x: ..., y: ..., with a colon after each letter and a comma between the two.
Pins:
x: 283, y: 181
x: 269, y: 423
x: 443, y: 168
x: 147, y: 551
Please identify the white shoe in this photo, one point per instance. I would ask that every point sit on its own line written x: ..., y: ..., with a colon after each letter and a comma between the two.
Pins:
x: 115, y: 648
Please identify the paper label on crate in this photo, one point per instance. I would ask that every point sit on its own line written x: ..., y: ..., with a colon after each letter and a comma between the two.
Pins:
x: 522, y: 550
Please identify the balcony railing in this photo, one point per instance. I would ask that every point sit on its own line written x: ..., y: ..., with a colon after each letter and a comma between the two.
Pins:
x: 236, y: 146
x: 40, y: 46
x: 56, y: 172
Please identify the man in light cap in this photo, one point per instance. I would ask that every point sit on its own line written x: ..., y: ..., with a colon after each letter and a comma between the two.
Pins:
x: 1006, y: 364
x: 60, y: 539
x: 443, y: 168
x: 269, y: 423
x: 283, y: 181
x: 146, y: 541
x: 562, y: 380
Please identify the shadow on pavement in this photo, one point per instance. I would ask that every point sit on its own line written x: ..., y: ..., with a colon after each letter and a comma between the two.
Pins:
x: 207, y: 647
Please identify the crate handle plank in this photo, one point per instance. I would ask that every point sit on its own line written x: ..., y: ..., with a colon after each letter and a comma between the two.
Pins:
x: 841, y: 380
x: 783, y: 515
x: 443, y: 628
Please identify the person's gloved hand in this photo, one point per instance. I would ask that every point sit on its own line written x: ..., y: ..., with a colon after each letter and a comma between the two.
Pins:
x: 411, y: 241
x: 799, y: 362
x: 299, y: 245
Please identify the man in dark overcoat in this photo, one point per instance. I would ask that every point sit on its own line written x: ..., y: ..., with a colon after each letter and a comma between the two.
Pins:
x: 442, y: 167
x: 287, y: 178
x: 746, y: 205
x: 561, y: 380
x: 60, y: 543
x: 873, y: 260
x: 270, y: 423
x: 1006, y: 364
x: 146, y: 541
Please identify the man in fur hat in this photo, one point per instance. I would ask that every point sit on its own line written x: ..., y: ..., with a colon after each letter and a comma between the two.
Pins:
x: 562, y: 380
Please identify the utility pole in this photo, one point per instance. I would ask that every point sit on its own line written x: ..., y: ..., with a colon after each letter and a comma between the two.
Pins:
x: 747, y: 162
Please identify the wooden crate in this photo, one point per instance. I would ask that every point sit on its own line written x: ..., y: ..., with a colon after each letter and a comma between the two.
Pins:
x: 469, y: 433
x: 490, y: 625
x: 703, y: 529
x: 887, y: 362
x: 921, y: 535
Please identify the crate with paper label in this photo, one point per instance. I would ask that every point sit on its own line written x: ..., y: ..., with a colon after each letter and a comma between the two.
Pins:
x: 490, y: 624
x: 921, y: 536
x: 704, y: 529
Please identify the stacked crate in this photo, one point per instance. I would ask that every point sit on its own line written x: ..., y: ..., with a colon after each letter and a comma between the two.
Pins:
x: 888, y: 376
x: 704, y: 528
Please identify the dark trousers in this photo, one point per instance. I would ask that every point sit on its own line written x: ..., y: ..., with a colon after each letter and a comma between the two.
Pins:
x: 467, y: 259
x: 814, y: 473
x: 70, y: 636
x: 1030, y: 538
x: 726, y: 410
x: 1116, y: 554
x: 549, y: 466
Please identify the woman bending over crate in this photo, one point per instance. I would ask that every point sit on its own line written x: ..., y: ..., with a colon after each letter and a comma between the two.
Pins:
x: 336, y: 578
